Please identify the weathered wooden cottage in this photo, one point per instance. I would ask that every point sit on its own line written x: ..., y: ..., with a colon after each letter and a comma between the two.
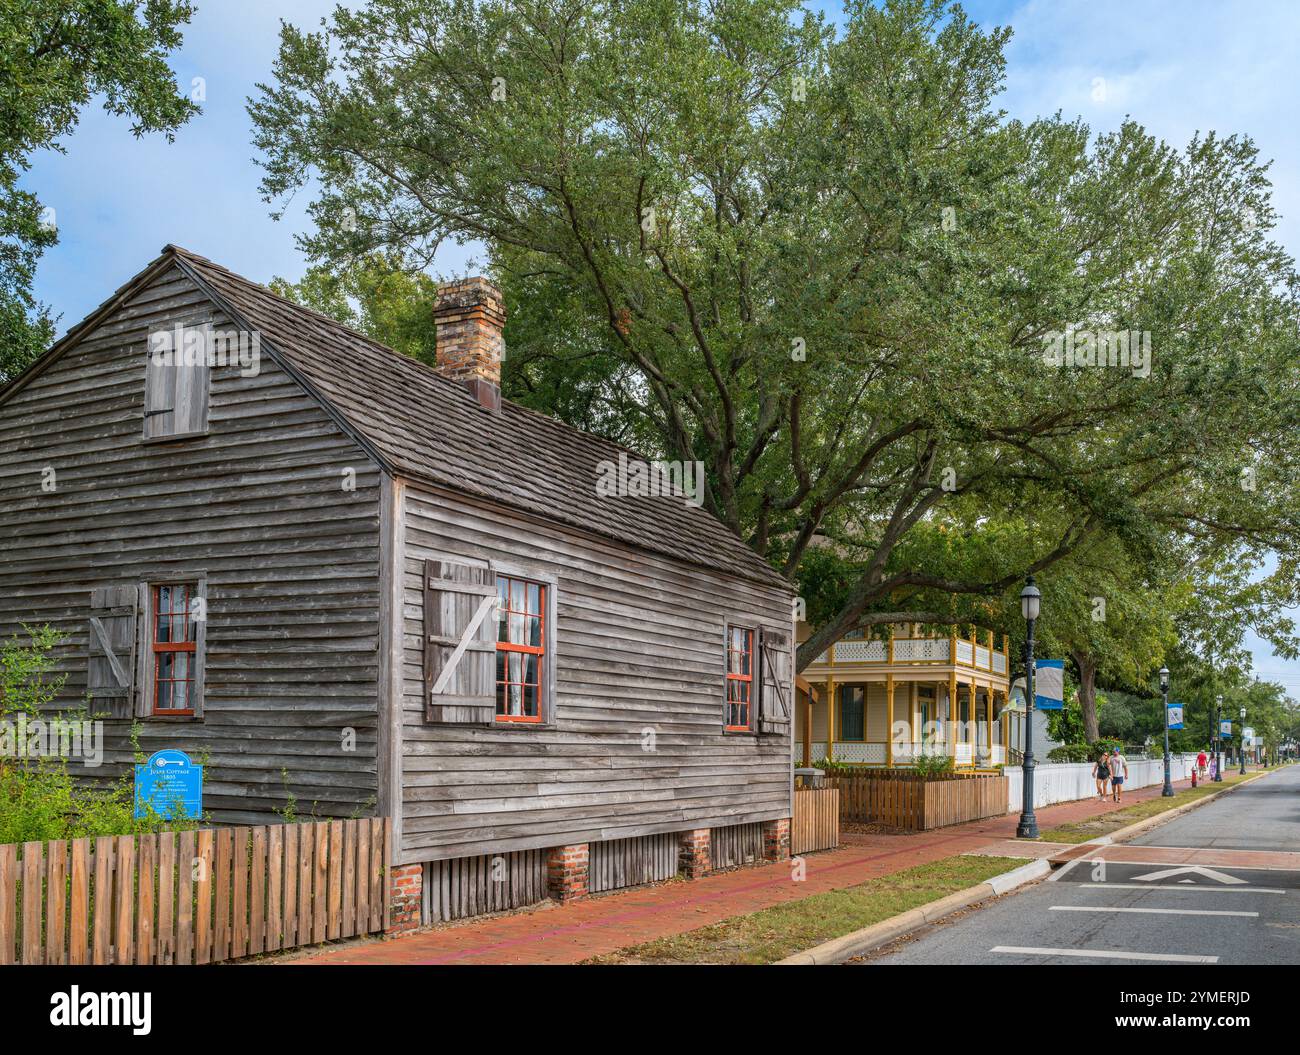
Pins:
x: 341, y: 575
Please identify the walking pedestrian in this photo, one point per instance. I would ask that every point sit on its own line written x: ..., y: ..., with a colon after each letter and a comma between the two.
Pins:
x: 1101, y: 770
x: 1200, y: 763
x: 1118, y: 773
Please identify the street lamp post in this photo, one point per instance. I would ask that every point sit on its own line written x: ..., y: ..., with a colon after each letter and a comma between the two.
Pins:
x: 1168, y: 789
x: 1241, y: 750
x: 1030, y: 602
x: 1218, y: 739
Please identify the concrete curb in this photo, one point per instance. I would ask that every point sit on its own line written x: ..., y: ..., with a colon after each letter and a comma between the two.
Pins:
x: 1147, y: 823
x: 860, y: 941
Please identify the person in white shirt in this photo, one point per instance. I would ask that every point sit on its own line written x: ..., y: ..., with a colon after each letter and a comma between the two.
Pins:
x: 1118, y: 771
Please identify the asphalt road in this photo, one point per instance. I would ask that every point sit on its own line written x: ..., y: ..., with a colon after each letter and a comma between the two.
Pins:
x: 1165, y: 912
x: 1264, y: 815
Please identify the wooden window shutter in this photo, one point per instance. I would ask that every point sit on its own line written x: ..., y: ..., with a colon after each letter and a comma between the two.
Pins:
x: 460, y: 650
x: 111, y: 665
x: 773, y: 648
x: 175, y: 399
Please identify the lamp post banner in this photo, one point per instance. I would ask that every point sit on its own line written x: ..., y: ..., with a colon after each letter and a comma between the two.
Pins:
x: 1225, y: 728
x: 1049, y: 684
x: 1174, y: 715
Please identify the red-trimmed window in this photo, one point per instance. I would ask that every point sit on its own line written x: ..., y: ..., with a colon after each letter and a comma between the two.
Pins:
x: 175, y: 634
x: 740, y: 678
x: 521, y: 649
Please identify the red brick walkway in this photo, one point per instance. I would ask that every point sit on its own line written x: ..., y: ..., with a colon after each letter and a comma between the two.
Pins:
x: 575, y: 932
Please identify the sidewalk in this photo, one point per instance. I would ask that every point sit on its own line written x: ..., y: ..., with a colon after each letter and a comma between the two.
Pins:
x: 555, y: 934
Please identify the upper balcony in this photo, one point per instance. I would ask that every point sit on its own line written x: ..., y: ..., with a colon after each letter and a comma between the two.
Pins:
x: 905, y: 648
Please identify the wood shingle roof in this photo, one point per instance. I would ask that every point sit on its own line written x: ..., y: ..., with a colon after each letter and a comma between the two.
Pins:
x: 429, y: 428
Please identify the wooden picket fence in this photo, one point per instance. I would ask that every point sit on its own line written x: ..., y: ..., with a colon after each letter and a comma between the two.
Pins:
x: 908, y: 800
x: 192, y: 897
x: 816, y: 821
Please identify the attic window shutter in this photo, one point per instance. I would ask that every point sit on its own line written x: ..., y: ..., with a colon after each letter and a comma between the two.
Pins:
x: 460, y: 632
x: 175, y: 398
x: 110, y: 672
x: 774, y: 681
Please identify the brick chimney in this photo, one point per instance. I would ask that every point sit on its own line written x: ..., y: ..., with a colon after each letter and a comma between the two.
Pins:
x: 469, y: 316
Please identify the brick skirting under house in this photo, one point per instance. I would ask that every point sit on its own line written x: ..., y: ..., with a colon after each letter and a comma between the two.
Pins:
x: 567, y: 876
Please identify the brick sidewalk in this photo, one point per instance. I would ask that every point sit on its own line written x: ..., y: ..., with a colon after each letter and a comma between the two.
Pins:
x: 554, y: 934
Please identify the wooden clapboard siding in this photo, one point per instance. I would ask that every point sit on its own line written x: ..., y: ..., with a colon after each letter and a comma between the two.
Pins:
x: 291, y: 558
x: 146, y: 909
x: 638, y: 662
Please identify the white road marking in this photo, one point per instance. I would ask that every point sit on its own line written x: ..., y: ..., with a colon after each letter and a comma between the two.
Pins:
x: 1176, y: 886
x: 1055, y: 876
x: 1105, y: 954
x: 1200, y: 870
x: 1152, y: 911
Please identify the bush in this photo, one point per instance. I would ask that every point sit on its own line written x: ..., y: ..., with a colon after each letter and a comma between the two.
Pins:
x: 829, y: 765
x: 1081, y: 752
x: 39, y: 797
x: 932, y: 764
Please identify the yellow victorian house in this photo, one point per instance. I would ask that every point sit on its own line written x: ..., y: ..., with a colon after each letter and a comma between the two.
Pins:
x: 880, y: 701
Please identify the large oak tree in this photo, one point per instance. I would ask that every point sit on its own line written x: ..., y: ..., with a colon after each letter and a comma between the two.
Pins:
x: 55, y: 57
x: 823, y: 263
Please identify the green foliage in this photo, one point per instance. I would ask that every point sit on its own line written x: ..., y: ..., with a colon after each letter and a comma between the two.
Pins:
x: 1082, y: 752
x: 723, y: 230
x: 55, y: 56
x: 43, y: 798
x: 1066, y: 724
x: 1071, y: 753
x: 376, y: 297
x: 26, y: 685
x: 829, y: 765
x: 932, y: 763
x: 1128, y: 718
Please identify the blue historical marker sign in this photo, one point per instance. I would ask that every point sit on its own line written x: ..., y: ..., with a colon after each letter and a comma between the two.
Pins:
x: 170, y: 784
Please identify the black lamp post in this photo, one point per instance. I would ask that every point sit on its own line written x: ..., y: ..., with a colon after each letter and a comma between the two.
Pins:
x: 1168, y: 789
x: 1218, y: 739
x: 1030, y: 603
x: 1242, y: 750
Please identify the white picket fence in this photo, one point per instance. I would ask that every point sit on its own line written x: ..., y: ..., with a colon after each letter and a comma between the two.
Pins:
x: 1069, y: 781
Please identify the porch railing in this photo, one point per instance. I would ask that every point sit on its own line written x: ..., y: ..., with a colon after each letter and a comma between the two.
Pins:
x: 876, y: 753
x: 956, y: 651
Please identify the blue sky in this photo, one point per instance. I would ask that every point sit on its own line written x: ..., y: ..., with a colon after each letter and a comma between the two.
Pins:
x: 1176, y: 66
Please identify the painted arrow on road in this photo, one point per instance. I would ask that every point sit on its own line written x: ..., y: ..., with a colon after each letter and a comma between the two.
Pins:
x: 1201, y: 870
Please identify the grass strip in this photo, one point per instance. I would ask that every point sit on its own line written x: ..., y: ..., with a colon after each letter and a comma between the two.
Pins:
x: 775, y: 933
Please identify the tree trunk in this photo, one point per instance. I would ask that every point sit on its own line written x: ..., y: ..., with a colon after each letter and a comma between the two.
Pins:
x: 1088, y: 695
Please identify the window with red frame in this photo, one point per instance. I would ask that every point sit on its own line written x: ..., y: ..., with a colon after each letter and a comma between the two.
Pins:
x: 521, y: 649
x: 175, y: 634
x: 740, y: 678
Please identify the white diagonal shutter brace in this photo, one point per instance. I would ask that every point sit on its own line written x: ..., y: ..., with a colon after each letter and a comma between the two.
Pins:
x: 484, y: 606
